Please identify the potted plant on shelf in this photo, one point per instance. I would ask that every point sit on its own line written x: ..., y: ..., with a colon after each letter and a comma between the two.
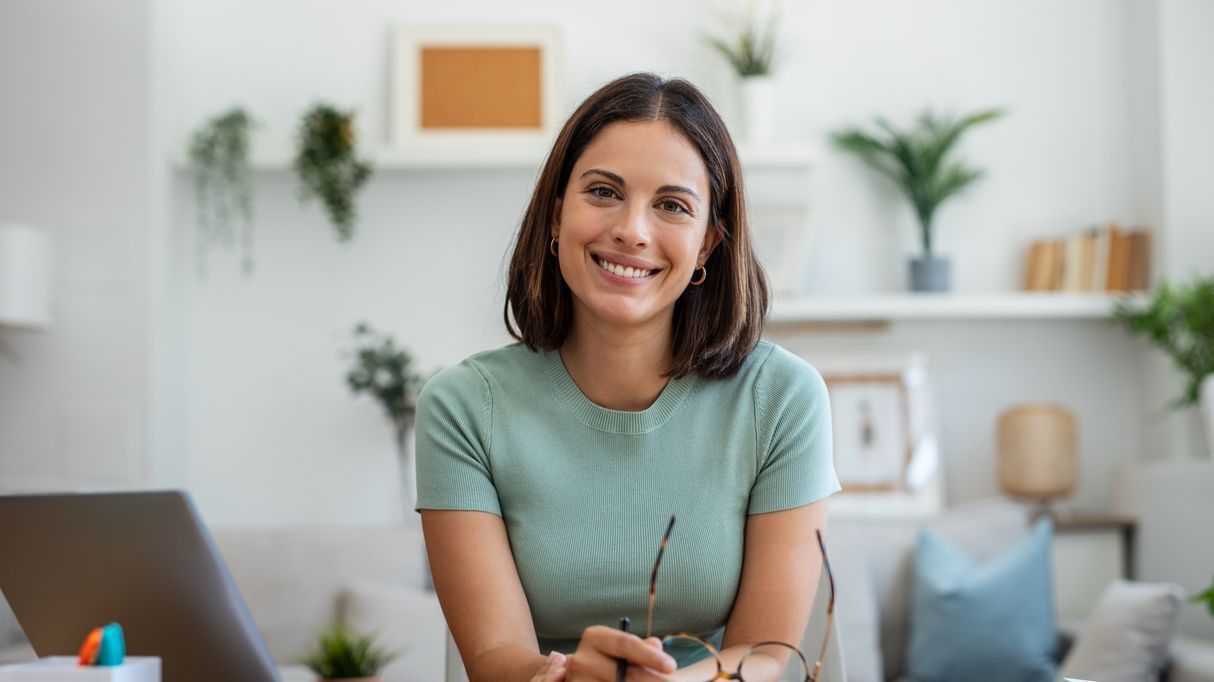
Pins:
x: 328, y: 167
x: 340, y: 654
x: 918, y: 161
x: 385, y: 370
x: 1179, y: 320
x: 1206, y: 598
x: 751, y: 50
x: 219, y: 158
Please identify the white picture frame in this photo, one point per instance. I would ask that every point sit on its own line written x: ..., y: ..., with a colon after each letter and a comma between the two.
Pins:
x: 882, y: 422
x: 409, y: 42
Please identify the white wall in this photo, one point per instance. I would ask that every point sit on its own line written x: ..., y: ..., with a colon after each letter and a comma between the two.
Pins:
x: 73, y: 129
x: 238, y: 382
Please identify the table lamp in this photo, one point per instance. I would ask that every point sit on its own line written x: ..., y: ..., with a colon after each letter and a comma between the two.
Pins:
x: 1038, y: 453
x: 24, y: 279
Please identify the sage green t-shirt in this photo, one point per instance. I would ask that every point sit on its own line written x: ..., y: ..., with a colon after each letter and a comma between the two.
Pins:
x: 586, y: 492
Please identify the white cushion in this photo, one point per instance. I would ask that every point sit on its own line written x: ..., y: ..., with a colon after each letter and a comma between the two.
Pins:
x: 1127, y: 634
x: 407, y: 621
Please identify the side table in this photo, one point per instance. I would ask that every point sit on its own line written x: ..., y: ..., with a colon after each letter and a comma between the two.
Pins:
x: 1090, y: 551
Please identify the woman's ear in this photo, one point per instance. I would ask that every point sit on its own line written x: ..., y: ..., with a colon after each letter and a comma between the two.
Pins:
x: 556, y: 219
x: 712, y: 237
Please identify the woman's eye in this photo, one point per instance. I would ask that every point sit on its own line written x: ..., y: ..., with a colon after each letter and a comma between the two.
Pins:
x: 601, y: 192
x: 673, y: 206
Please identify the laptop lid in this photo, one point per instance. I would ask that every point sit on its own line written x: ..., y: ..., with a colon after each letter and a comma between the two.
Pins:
x: 71, y: 562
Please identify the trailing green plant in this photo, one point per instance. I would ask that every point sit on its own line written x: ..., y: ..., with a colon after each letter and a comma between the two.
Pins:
x: 751, y: 47
x: 1179, y: 320
x: 328, y: 167
x: 918, y: 160
x: 1206, y: 598
x: 219, y: 158
x: 386, y: 372
x: 341, y: 653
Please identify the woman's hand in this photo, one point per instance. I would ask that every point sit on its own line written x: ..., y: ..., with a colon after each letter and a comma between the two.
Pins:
x: 600, y: 649
x: 553, y: 670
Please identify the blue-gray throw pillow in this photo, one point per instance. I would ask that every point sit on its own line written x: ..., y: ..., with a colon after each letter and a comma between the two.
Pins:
x: 992, y: 621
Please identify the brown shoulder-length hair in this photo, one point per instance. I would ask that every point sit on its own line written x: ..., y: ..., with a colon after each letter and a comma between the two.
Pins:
x: 717, y: 323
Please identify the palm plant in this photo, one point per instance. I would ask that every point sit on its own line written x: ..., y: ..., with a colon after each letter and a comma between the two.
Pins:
x: 340, y: 653
x: 917, y: 160
x: 1179, y: 320
x: 751, y: 49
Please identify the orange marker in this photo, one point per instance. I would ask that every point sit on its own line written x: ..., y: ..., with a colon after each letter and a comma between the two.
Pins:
x: 90, y: 648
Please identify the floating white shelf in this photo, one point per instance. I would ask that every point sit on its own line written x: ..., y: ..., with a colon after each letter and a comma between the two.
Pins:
x: 517, y: 157
x: 948, y: 306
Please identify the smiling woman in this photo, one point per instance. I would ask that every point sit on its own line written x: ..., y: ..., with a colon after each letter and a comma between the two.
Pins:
x: 639, y: 390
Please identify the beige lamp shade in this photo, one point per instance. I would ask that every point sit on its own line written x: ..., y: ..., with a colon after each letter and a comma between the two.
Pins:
x: 1038, y: 451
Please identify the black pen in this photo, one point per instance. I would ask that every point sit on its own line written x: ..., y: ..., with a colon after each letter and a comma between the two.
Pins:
x: 621, y: 666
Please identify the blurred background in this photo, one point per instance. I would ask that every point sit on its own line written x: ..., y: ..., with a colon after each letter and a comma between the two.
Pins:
x: 151, y: 371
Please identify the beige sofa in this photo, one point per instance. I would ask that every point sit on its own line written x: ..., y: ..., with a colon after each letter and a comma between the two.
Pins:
x: 873, y: 557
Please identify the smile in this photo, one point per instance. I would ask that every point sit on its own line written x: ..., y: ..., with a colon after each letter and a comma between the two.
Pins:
x: 623, y: 270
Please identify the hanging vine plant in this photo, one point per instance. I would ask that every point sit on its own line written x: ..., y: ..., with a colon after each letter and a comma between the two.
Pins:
x: 219, y: 158
x: 327, y: 165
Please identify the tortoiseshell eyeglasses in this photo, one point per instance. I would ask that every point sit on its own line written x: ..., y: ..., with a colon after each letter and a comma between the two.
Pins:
x: 759, y: 656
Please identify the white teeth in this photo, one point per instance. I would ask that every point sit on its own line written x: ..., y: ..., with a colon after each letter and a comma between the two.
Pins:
x: 622, y: 271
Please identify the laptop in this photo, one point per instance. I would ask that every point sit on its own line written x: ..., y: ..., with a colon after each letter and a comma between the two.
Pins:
x: 71, y: 562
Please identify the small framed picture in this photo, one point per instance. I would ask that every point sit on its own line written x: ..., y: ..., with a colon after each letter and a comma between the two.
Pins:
x: 872, y: 449
x: 882, y: 426
x: 469, y: 85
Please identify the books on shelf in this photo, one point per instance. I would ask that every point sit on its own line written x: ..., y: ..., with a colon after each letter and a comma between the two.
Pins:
x: 1099, y: 259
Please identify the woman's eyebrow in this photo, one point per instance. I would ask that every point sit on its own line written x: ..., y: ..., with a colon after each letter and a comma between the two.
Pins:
x: 620, y: 181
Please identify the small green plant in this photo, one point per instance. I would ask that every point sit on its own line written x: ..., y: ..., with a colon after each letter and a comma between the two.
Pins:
x: 917, y: 160
x: 327, y: 166
x: 219, y: 157
x: 386, y: 372
x: 1179, y: 320
x: 340, y: 653
x: 751, y: 48
x: 1206, y: 598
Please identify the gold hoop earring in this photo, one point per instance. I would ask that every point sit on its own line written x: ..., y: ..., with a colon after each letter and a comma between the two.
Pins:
x: 703, y: 276
x: 552, y: 247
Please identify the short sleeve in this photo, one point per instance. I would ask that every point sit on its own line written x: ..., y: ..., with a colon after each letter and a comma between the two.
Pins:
x: 454, y: 423
x: 793, y: 429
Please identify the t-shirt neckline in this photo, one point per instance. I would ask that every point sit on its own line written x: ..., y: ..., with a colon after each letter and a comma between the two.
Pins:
x: 615, y: 421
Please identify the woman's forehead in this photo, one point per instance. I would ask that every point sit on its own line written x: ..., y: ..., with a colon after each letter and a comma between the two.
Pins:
x: 646, y: 154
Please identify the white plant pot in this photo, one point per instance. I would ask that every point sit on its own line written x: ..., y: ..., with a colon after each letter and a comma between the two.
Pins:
x: 757, y: 103
x: 1207, y: 412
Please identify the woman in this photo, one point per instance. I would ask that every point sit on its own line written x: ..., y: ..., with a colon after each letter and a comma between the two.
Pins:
x: 548, y: 469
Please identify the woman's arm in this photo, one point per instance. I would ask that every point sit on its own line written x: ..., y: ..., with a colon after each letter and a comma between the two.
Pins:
x: 481, y: 595
x: 486, y: 609
x: 780, y: 569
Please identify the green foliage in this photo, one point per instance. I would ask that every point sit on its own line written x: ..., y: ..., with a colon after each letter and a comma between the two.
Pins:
x: 386, y: 372
x: 327, y: 166
x: 1179, y: 320
x: 917, y: 160
x: 219, y: 157
x: 340, y: 653
x: 751, y: 48
x: 1206, y: 598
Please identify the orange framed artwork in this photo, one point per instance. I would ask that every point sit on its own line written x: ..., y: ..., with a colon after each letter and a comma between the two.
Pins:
x: 466, y: 84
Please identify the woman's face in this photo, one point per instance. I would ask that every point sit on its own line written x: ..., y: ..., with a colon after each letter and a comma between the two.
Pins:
x: 633, y: 223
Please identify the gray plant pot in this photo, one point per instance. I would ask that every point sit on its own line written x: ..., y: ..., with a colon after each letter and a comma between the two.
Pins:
x: 929, y: 273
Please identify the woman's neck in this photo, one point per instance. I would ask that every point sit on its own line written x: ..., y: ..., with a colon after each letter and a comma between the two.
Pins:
x: 618, y: 369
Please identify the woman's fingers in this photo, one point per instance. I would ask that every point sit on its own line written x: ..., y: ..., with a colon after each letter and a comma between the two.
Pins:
x: 603, y: 646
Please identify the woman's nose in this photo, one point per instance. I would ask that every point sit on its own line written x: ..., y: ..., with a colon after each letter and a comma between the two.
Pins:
x: 633, y: 227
